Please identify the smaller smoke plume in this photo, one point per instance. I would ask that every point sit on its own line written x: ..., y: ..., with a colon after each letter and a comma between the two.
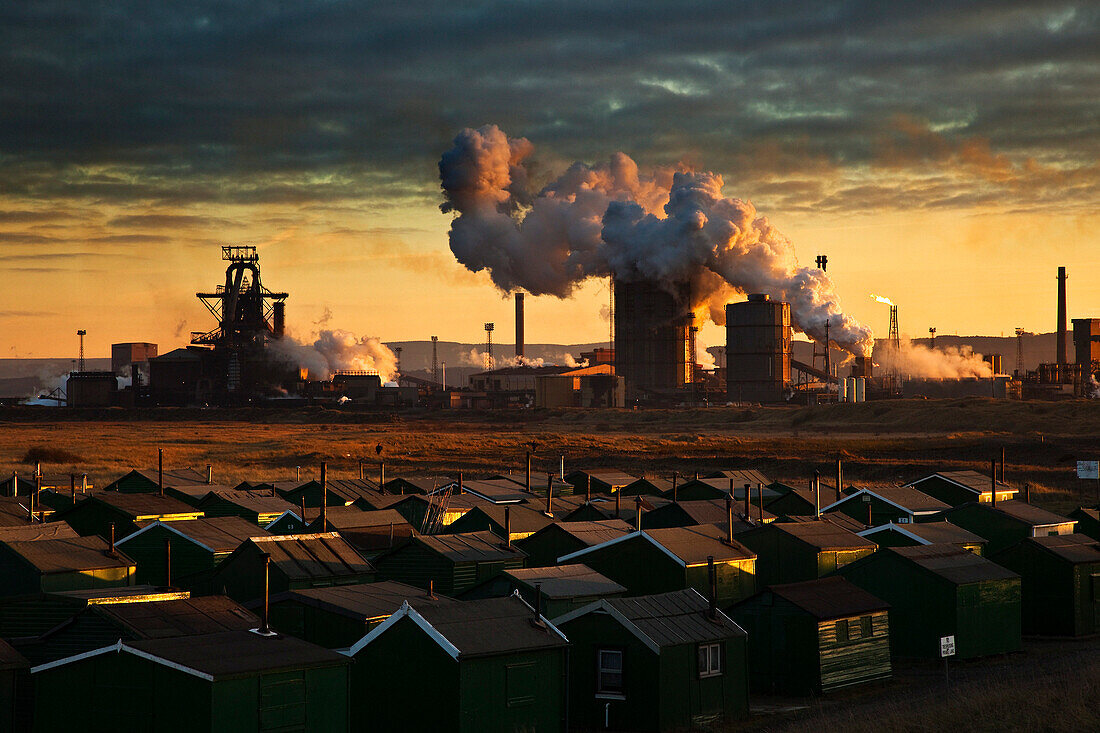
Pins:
x: 882, y: 299
x: 480, y: 358
x: 918, y: 360
x: 570, y: 361
x: 337, y: 350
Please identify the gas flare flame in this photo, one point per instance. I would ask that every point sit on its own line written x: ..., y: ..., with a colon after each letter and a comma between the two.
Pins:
x: 882, y: 299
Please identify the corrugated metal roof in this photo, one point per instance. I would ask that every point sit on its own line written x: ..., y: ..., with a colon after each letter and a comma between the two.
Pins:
x: 954, y: 564
x: 364, y: 600
x: 594, y: 533
x: 1029, y: 513
x: 424, y: 484
x: 499, y: 490
x: 470, y: 547
x: 141, y: 505
x: 69, y: 554
x: 238, y: 653
x: 566, y: 581
x: 1076, y: 548
x: 220, y: 534
x: 661, y: 485
x: 942, y: 533
x: 828, y: 598
x: 522, y: 518
x: 307, y: 556
x: 253, y: 501
x: 837, y: 519
x: 352, y: 489
x: 184, y: 617
x: 172, y: 477
x: 824, y: 535
x: 37, y: 531
x: 355, y: 518
x: 906, y: 497
x: 127, y: 594
x: 972, y: 480
x: 679, y: 617
x: 694, y: 545
x: 742, y: 476
x: 490, y: 626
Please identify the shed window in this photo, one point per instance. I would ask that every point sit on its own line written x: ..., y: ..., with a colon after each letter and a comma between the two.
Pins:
x: 609, y: 671
x: 865, y: 628
x: 710, y: 660
x: 842, y: 630
x: 519, y: 680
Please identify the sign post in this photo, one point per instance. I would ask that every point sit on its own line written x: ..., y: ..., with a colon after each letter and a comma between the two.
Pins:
x: 947, y: 650
x: 1090, y: 470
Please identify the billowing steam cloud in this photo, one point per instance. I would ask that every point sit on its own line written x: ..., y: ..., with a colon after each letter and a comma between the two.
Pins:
x: 669, y: 226
x: 338, y: 350
x: 940, y: 363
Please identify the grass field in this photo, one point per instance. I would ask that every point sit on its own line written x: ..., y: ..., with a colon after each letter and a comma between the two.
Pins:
x: 880, y: 441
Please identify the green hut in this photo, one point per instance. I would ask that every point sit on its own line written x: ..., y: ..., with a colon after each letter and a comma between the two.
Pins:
x: 15, y: 690
x: 259, y: 508
x: 664, y: 560
x: 664, y: 662
x: 1088, y: 521
x: 649, y: 486
x: 101, y: 624
x: 338, y: 617
x: 790, y: 552
x: 196, y: 546
x: 230, y: 682
x: 367, y: 531
x: 884, y: 504
x: 99, y: 512
x: 925, y: 533
x: 146, y: 481
x: 602, y: 482
x: 296, y: 561
x: 452, y: 562
x: 63, y: 564
x: 556, y: 590
x: 961, y: 487
x: 1060, y: 583
x: 521, y: 521
x: 690, y: 513
x: 544, y: 547
x: 1007, y: 522
x: 942, y: 590
x: 37, y: 531
x: 793, y: 502
x: 815, y: 636
x: 488, y: 665
x: 31, y: 615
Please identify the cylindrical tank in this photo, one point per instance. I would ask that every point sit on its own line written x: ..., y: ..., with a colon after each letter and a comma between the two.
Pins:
x: 862, y: 366
x: 842, y: 390
x: 861, y: 389
x: 653, y: 335
x: 758, y: 350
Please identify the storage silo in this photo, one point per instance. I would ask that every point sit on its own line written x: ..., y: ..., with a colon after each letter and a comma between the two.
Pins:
x: 653, y: 336
x: 758, y: 350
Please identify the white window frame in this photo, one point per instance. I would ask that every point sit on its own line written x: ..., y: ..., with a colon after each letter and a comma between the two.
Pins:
x: 616, y: 693
x: 713, y: 666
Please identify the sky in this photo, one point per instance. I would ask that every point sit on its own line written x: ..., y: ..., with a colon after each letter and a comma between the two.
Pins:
x: 944, y: 154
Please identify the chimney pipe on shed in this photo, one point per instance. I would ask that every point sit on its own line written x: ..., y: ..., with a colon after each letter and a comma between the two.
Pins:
x: 712, y: 587
x: 265, y: 626
x: 160, y: 471
x: 508, y: 527
x: 324, y: 497
x: 675, y: 481
x: 1027, y: 493
x: 760, y: 499
x: 209, y: 474
x: 638, y: 513
x: 617, y: 515
x: 993, y: 482
x: 587, y: 489
x: 111, y: 543
x: 839, y: 480
x: 550, y: 494
x: 817, y: 494
x: 729, y: 518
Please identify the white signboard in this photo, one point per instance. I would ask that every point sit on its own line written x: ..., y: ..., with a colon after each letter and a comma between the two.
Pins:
x: 1088, y: 469
x: 947, y: 646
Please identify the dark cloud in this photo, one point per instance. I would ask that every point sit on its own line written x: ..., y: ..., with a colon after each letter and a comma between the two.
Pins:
x: 308, y: 101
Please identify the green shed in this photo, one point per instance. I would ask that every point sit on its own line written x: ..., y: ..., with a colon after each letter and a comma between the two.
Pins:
x: 145, y: 481
x: 664, y: 662
x: 230, y: 682
x: 925, y: 533
x: 196, y: 546
x: 1088, y: 521
x: 793, y: 502
x: 259, y: 508
x: 1008, y: 522
x: 522, y: 520
x: 690, y: 513
x: 1060, y: 583
x: 488, y: 665
x: 37, y: 531
x: 338, y: 617
x: 98, y: 512
x: 367, y: 531
x: 648, y: 485
x: 560, y: 589
x: 27, y: 617
x: 453, y: 562
x: 943, y: 590
x: 297, y: 561
x: 790, y: 552
x: 79, y: 563
x: 664, y: 560
x: 101, y: 624
x: 961, y: 487
x: 544, y: 547
x: 602, y: 482
x: 15, y: 690
x: 815, y: 636
x: 880, y: 505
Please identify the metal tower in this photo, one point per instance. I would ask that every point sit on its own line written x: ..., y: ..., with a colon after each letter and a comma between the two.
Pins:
x: 821, y: 351
x: 1019, y: 352
x: 489, y: 347
x: 894, y: 341
x: 435, y: 359
x: 932, y: 337
x: 822, y: 262
x: 81, y: 333
x: 397, y: 359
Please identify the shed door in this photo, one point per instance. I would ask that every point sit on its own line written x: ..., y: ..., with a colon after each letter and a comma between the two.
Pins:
x: 283, y: 702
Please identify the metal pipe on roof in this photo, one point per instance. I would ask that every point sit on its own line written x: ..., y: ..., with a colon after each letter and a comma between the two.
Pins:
x: 1027, y: 493
x: 15, y: 483
x: 381, y: 475
x: 30, y: 508
x: 839, y: 479
x: 460, y: 489
x: 168, y: 563
x: 748, y: 493
x: 84, y: 483
x: 587, y: 489
x: 638, y: 513
x: 265, y: 627
x: 72, y: 486
x: 209, y: 474
x: 527, y: 481
x: 993, y: 482
x: 712, y: 585
x: 431, y: 589
x: 111, y: 545
x: 324, y: 497
x: 303, y: 517
x: 675, y: 480
x: 361, y: 476
x: 729, y: 517
x: 817, y: 493
x: 550, y: 494
x: 507, y: 527
x: 760, y: 499
x: 160, y: 471
x: 617, y: 515
x: 297, y: 473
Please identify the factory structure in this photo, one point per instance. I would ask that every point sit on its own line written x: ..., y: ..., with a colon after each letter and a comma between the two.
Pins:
x: 650, y: 360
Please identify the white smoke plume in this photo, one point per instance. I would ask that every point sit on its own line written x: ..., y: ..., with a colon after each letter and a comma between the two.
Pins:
x: 480, y: 358
x: 337, y: 350
x: 571, y: 361
x: 667, y: 225
x: 918, y: 360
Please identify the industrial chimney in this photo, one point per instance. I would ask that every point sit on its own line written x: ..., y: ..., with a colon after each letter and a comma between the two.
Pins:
x: 1063, y: 361
x: 519, y: 324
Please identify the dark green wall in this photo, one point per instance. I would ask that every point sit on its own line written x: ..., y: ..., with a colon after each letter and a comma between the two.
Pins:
x: 1058, y: 596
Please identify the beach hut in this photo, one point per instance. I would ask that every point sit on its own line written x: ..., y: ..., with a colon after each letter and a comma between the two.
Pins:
x: 452, y: 562
x: 790, y: 552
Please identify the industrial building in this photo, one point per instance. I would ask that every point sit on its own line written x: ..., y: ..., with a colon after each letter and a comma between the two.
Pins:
x: 758, y: 350
x: 654, y: 337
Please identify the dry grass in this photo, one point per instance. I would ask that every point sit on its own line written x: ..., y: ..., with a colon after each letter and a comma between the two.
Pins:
x: 881, y: 441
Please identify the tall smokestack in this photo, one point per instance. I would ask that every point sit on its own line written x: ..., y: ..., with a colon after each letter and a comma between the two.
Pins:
x: 1062, y: 360
x: 519, y: 324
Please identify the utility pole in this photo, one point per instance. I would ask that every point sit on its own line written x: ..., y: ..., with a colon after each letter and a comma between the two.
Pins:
x: 81, y: 333
x: 932, y: 337
x: 489, y: 346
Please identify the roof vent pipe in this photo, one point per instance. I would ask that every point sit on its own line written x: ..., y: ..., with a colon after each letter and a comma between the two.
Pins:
x: 507, y: 527
x: 760, y: 499
x: 160, y: 471
x: 111, y: 544
x: 549, y: 494
x: 324, y: 497
x: 817, y: 494
x: 638, y: 513
x: 675, y: 481
x: 265, y: 626
x: 729, y: 519
x: 209, y: 474
x: 993, y: 482
x: 839, y: 479
x: 712, y: 587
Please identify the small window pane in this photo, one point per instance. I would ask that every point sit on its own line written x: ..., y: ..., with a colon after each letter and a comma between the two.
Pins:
x: 865, y: 629
x: 842, y: 630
